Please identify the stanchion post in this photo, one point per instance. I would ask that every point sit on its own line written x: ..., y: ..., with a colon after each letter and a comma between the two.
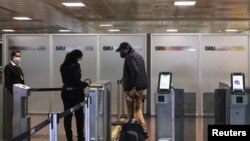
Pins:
x: 118, y: 100
x: 53, y: 132
x: 87, y: 118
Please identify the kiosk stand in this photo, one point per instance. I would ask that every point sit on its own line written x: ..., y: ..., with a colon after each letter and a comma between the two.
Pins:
x: 232, y: 101
x: 165, y: 118
x: 238, y: 99
x: 165, y: 108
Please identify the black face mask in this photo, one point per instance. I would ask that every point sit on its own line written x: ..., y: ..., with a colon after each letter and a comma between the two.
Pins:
x: 123, y: 54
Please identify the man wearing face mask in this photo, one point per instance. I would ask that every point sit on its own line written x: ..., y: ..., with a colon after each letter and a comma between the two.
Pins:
x: 134, y: 79
x: 13, y: 74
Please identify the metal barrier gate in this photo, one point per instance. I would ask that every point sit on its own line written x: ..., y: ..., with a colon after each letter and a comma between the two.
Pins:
x: 97, y: 113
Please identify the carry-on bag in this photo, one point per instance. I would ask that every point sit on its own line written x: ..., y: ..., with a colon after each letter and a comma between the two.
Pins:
x: 132, y: 130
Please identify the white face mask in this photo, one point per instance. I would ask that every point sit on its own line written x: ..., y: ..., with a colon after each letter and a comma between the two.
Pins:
x: 17, y: 59
x: 79, y: 61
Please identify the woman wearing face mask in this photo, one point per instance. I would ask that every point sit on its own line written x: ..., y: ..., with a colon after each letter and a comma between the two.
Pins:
x: 13, y: 74
x: 71, y: 77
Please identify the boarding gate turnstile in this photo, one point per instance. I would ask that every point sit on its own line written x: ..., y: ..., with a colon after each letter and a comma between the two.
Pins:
x: 97, y: 112
x: 165, y: 116
x: 231, y: 108
x: 97, y: 122
x: 21, y: 120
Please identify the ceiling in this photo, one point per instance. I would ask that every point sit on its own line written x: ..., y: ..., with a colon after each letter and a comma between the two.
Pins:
x: 130, y: 16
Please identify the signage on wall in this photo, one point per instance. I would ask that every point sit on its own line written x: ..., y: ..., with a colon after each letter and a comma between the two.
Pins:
x: 39, y: 48
x: 224, y: 48
x: 107, y: 48
x: 174, y: 48
x: 113, y: 48
x: 70, y: 48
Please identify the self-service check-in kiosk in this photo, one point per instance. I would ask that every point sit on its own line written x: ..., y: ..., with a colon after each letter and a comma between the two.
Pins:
x: 238, y: 100
x: 165, y: 108
x: 232, y: 101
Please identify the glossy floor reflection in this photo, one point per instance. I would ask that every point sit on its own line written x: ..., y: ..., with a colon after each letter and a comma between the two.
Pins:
x: 195, y: 129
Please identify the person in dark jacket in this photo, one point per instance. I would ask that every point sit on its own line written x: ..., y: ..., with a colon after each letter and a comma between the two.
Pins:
x: 13, y: 74
x: 71, y: 77
x: 134, y: 79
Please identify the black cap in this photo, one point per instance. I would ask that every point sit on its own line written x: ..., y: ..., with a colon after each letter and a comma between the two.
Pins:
x: 123, y: 45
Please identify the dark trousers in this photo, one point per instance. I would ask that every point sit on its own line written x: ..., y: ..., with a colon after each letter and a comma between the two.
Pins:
x: 69, y: 103
x: 7, y: 114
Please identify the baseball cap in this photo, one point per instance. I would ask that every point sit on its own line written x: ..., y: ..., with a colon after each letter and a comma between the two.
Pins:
x: 123, y: 45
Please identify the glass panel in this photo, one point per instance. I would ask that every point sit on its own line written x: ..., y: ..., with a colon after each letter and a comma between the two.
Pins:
x: 111, y: 65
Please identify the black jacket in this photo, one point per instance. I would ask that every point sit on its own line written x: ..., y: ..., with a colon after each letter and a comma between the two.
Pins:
x: 134, y: 72
x: 71, y: 77
x: 13, y: 74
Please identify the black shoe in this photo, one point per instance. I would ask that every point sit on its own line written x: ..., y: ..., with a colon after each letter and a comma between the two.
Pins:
x: 82, y: 139
x: 145, y: 134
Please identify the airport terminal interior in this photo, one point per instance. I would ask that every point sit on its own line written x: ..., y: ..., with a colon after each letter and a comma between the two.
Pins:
x: 196, y: 55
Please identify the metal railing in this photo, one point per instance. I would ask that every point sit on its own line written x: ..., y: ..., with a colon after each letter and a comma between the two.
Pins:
x: 98, y: 113
x: 53, y: 120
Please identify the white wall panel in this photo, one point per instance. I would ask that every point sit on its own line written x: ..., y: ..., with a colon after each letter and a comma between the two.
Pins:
x: 220, y: 56
x: 111, y: 65
x: 198, y: 62
x: 35, y: 63
x: 177, y: 54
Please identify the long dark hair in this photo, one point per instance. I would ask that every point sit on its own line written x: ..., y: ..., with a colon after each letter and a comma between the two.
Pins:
x: 72, y: 57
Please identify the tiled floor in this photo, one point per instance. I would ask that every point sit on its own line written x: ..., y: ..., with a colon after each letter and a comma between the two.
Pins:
x: 194, y: 129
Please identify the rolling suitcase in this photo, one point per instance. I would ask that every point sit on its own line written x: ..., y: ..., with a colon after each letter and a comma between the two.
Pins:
x: 132, y: 130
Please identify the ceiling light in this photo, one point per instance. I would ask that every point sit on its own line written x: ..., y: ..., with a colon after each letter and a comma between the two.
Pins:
x: 172, y: 30
x: 231, y: 30
x: 114, y: 30
x: 22, y: 18
x: 184, y: 3
x: 73, y: 4
x: 8, y: 30
x: 106, y: 25
x: 64, y: 30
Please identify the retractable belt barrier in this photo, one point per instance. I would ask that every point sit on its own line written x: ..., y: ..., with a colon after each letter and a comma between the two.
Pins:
x: 46, y: 122
x: 97, y: 113
x: 21, y: 119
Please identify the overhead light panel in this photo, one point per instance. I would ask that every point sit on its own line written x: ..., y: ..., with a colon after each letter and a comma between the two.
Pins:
x: 184, y: 3
x: 231, y: 30
x: 114, y: 30
x: 64, y: 30
x: 73, y: 4
x: 8, y: 30
x: 22, y: 18
x: 172, y: 30
x: 106, y: 25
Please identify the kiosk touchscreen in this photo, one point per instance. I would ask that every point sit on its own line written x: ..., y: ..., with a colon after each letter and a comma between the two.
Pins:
x: 164, y: 82
x: 237, y: 83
